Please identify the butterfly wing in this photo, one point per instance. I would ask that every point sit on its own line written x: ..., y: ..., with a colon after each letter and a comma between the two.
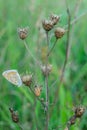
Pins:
x: 13, y: 77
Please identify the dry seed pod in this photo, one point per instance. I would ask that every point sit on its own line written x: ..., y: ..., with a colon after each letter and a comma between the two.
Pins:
x: 14, y: 115
x: 23, y: 33
x: 54, y: 18
x: 59, y: 32
x: 47, y: 25
x: 79, y: 111
x: 37, y: 90
x: 46, y: 69
x: 72, y: 120
x: 27, y: 80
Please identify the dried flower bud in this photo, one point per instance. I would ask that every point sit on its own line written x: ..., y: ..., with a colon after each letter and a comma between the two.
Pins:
x: 14, y: 115
x: 72, y: 120
x: 37, y: 90
x: 27, y: 80
x: 79, y: 111
x: 46, y: 69
x: 59, y: 32
x: 47, y: 25
x: 23, y: 32
x: 54, y: 18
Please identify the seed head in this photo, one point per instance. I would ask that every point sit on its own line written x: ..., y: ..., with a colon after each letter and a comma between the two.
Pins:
x: 79, y: 111
x: 54, y: 18
x: 46, y: 69
x: 14, y: 115
x: 47, y: 25
x: 72, y: 120
x: 23, y: 33
x: 37, y: 90
x: 27, y: 80
x: 59, y: 32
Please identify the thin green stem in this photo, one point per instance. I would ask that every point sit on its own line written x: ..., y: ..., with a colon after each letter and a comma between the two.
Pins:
x: 47, y: 89
x: 47, y: 103
x: 19, y: 125
x: 47, y: 37
x: 52, y: 47
x: 29, y: 52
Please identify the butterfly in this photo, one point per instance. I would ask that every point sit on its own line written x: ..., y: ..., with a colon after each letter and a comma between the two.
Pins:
x: 13, y: 77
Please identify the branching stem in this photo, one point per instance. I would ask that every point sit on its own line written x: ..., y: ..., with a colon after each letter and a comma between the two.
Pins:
x: 66, y: 58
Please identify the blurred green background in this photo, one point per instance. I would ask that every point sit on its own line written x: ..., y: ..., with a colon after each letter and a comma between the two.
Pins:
x: 13, y: 55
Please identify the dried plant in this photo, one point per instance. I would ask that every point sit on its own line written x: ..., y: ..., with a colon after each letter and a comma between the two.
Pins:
x: 46, y: 68
x: 78, y: 113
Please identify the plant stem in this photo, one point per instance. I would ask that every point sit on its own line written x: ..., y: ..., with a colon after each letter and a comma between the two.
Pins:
x: 52, y: 47
x: 47, y: 38
x: 47, y: 104
x: 47, y: 89
x: 20, y: 126
x: 37, y: 98
x: 66, y: 57
x: 66, y: 26
x: 27, y: 48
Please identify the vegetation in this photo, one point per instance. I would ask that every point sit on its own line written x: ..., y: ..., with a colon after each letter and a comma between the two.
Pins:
x: 67, y: 82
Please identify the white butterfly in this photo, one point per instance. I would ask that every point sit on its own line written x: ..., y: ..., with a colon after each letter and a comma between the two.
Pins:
x: 13, y: 77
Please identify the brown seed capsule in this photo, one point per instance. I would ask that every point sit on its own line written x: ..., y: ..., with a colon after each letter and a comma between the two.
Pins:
x: 47, y: 25
x: 72, y: 120
x: 79, y: 111
x: 37, y: 90
x: 14, y: 115
x: 27, y: 80
x: 23, y: 33
x: 59, y: 32
x: 46, y: 69
x: 54, y: 18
